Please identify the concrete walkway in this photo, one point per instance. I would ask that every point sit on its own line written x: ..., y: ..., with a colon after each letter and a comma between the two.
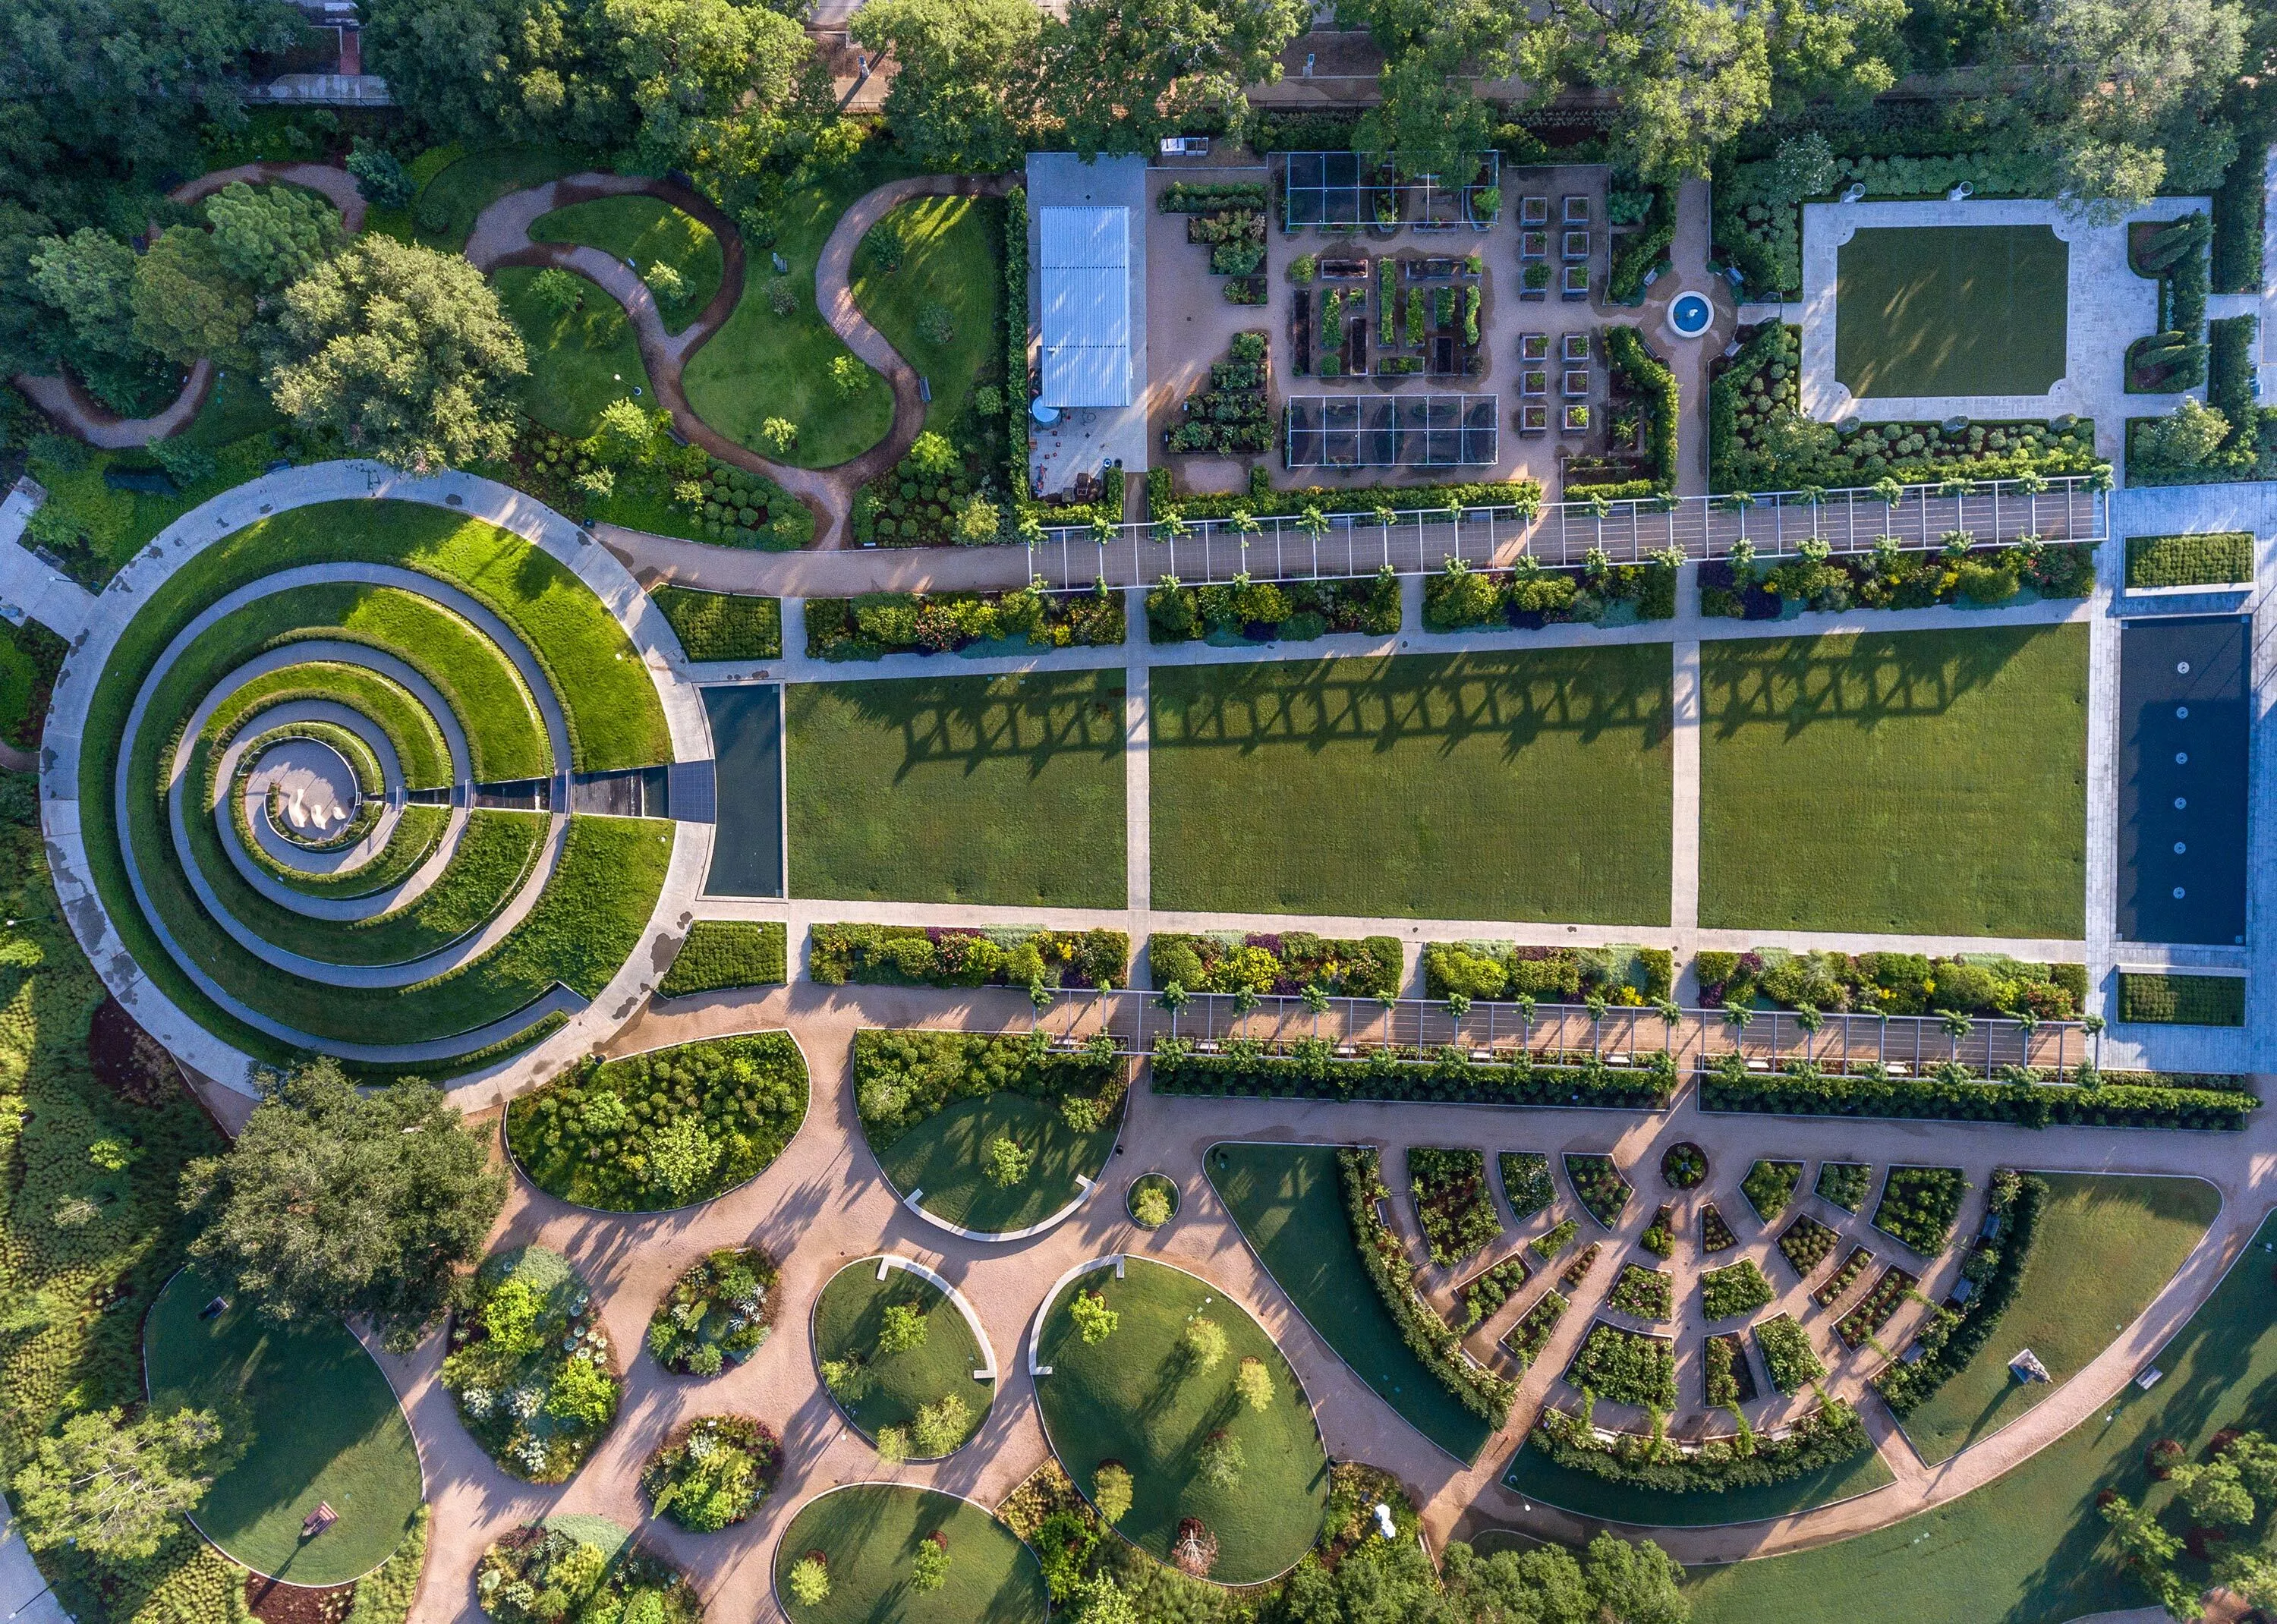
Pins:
x: 29, y: 583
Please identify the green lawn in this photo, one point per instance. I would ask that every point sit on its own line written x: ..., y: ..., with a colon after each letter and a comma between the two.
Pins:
x: 1138, y: 1398
x: 30, y: 656
x: 993, y: 790
x: 952, y: 255
x: 580, y: 363
x: 237, y: 407
x: 1531, y: 784
x: 761, y: 365
x: 941, y: 1156
x: 478, y: 179
x: 847, y: 1320
x: 1930, y: 782
x: 420, y: 751
x: 2107, y: 1244
x: 868, y: 1535
x: 1951, y: 310
x: 1538, y: 1478
x: 322, y: 1424
x: 1286, y: 1199
x: 2029, y: 1548
x: 647, y: 231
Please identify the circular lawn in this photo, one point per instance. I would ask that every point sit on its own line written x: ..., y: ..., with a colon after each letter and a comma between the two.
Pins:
x: 1139, y: 1397
x: 323, y: 1425
x: 945, y: 1156
x: 849, y: 1318
x: 868, y: 1535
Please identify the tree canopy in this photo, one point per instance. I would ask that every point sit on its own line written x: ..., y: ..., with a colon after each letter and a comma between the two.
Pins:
x: 965, y: 92
x: 117, y: 1491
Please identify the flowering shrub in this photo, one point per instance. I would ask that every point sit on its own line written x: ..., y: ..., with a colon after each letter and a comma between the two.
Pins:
x: 717, y: 1314
x: 1284, y: 963
x: 537, y: 1575
x: 941, y: 956
x: 530, y: 1365
x: 712, y: 1472
x: 1624, y: 976
x: 1891, y: 983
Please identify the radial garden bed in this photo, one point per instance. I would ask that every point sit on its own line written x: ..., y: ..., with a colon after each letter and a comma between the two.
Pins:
x: 1598, y: 1186
x: 1181, y: 1412
x: 900, y: 1359
x: 1451, y: 1204
x: 589, y: 1568
x: 861, y: 1544
x: 530, y: 1365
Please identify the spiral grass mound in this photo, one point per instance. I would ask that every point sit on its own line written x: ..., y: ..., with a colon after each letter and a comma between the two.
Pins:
x: 325, y: 788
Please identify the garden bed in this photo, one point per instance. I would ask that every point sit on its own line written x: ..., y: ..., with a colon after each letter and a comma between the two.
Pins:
x: 1962, y: 571
x: 1891, y: 984
x: 1576, y: 1272
x: 1525, y: 1340
x: 1625, y: 976
x: 1028, y: 620
x: 1530, y: 596
x: 1845, y: 1184
x: 1625, y: 1366
x: 1283, y: 963
x: 1310, y: 1068
x: 1919, y: 1205
x: 1737, y: 1289
x: 1805, y: 1244
x: 945, y: 956
x: 1525, y: 1183
x: 530, y: 1368
x: 1788, y: 1356
x: 720, y: 953
x: 1598, y: 1186
x: 1232, y: 613
x: 1770, y: 1186
x: 1643, y: 1294
x: 718, y: 1314
x: 1451, y: 1204
x: 1877, y: 1307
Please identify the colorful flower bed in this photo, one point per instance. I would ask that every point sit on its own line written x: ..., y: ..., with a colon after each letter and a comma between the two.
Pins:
x: 530, y: 1367
x: 717, y: 1314
x: 1891, y: 984
x: 943, y: 956
x: 712, y: 1472
x: 1284, y: 963
x: 1628, y: 977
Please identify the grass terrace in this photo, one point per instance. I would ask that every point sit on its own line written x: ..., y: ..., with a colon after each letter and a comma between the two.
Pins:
x: 1951, y: 310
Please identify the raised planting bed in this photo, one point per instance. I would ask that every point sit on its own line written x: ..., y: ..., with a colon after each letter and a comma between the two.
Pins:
x: 1451, y: 1203
x: 1836, y: 1285
x: 1622, y: 976
x: 1598, y: 1186
x: 1737, y: 1289
x: 1891, y: 984
x: 719, y: 953
x: 1845, y: 1184
x: 1525, y: 1340
x: 878, y: 624
x: 1728, y: 1379
x: 1682, y: 1166
x: 1284, y: 963
x: 1525, y: 1183
x: 718, y: 1314
x: 1893, y: 577
x: 1792, y: 1363
x: 712, y: 1472
x: 2219, y: 559
x: 1877, y: 1307
x: 941, y: 956
x: 530, y: 1366
x: 1643, y: 1294
x: 1625, y: 1366
x: 1919, y: 1204
x: 1715, y: 1234
x: 1548, y: 1246
x: 1232, y: 417
x: 1770, y: 1186
x: 1231, y: 614
x: 1529, y: 596
x: 1805, y: 1244
x: 1487, y: 1290
x: 1659, y: 1236
x: 1578, y: 1271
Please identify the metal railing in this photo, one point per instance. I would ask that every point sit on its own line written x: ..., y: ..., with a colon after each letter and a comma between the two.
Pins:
x: 1318, y: 546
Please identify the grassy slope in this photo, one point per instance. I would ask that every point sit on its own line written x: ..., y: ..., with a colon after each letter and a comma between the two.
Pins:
x: 1929, y: 782
x: 579, y: 363
x: 325, y: 1428
x: 420, y: 751
x: 847, y: 1320
x: 418, y: 832
x: 960, y: 789
x: 954, y: 256
x: 868, y: 1533
x: 1134, y: 1398
x: 1505, y: 785
x: 1286, y: 1199
x: 941, y: 1156
x: 646, y: 230
x: 2106, y: 1245
x: 761, y: 365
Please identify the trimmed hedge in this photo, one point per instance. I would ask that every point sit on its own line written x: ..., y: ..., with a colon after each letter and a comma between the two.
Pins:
x: 1656, y: 385
x: 1429, y: 1338
x: 723, y: 626
x: 2220, y: 559
x: 1827, y: 1437
x: 942, y: 956
x: 1523, y: 493
x: 2179, y: 1102
x: 1308, y: 1069
x: 1951, y: 1339
x: 2182, y: 1000
x: 727, y: 953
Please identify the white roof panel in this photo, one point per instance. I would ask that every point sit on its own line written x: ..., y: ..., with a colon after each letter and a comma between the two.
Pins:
x: 1083, y: 237
x: 1086, y: 375
x: 1085, y: 306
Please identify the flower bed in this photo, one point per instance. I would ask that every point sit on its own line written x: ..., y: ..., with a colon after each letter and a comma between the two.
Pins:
x: 1838, y: 1285
x: 1525, y: 1340
x: 529, y: 1365
x: 1548, y: 1246
x: 1309, y: 1068
x: 1429, y: 1338
x: 1643, y: 1294
x: 1683, y: 1165
x: 1451, y: 1204
x: 716, y: 1315
x: 1896, y: 577
x: 1231, y: 417
x: 2220, y: 559
x: 1845, y: 1184
x: 1827, y: 1437
x: 1598, y: 1186
x: 1485, y: 1292
x: 1877, y: 1307
x: 1918, y: 1206
x: 1625, y: 1366
x: 1770, y: 1186
x: 712, y: 1472
x: 538, y: 1575
x: 1284, y: 963
x: 1530, y: 596
x: 1788, y: 1356
x: 1739, y: 1289
x: 1578, y: 1271
x: 1805, y: 1244
x: 1891, y: 984
x: 1659, y: 1237
x: 878, y: 624
x: 664, y: 1129
x: 1628, y: 977
x: 1952, y: 1339
x: 1525, y: 1183
x: 2180, y: 1102
x: 1234, y: 613
x: 1728, y: 1379
x: 942, y: 956
x: 1715, y: 1234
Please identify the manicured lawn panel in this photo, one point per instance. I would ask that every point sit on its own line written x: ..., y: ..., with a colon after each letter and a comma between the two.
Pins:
x: 580, y: 361
x: 993, y: 790
x: 1917, y: 782
x: 868, y: 1533
x: 1135, y: 1398
x: 1951, y: 310
x: 726, y: 952
x: 2108, y: 1243
x: 321, y: 1425
x: 848, y: 1317
x: 1439, y: 787
x: 723, y: 626
x: 952, y: 255
x: 941, y: 1156
x: 419, y: 830
x: 1287, y: 1200
x: 649, y: 231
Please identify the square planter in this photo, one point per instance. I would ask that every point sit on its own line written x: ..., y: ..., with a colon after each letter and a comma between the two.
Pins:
x: 1576, y: 246
x: 1577, y: 348
x: 1533, y: 382
x: 1575, y: 385
x: 1534, y: 420
x: 1533, y: 346
x: 1576, y: 211
x: 1534, y: 245
x: 1575, y: 419
x: 1577, y: 282
x: 1533, y: 211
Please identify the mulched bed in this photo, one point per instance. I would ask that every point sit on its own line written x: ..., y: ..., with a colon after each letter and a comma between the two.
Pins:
x: 127, y: 1060
x: 274, y: 1602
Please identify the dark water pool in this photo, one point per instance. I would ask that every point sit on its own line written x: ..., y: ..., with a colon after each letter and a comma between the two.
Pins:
x: 747, y: 836
x: 2183, y: 734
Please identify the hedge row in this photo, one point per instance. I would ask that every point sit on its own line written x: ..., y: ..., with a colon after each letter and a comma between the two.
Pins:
x: 1524, y: 494
x: 1805, y: 1090
x: 877, y: 623
x: 1953, y: 1340
x: 1496, y: 969
x: 1827, y: 1437
x: 900, y: 1078
x: 940, y: 956
x: 2182, y: 1000
x: 2222, y: 558
x: 1308, y: 1069
x: 1429, y: 1338
x: 1285, y: 962
x: 1656, y: 385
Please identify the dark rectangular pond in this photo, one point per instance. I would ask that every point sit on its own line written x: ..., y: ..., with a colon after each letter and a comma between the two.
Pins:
x: 746, y: 835
x: 2183, y: 734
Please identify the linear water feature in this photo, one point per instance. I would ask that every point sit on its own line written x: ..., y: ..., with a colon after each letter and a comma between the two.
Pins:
x: 747, y: 767
x: 2184, y: 733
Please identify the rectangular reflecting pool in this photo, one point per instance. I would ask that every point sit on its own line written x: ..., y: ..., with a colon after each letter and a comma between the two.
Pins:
x: 2183, y: 734
x: 747, y: 836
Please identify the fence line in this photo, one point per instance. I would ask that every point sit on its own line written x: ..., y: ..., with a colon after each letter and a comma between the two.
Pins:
x: 1314, y: 546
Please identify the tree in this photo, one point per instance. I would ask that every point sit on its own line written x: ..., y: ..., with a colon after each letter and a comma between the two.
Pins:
x: 1110, y: 1491
x: 780, y: 434
x: 964, y: 90
x: 1094, y: 1318
x: 1429, y: 118
x: 89, y: 276
x: 1121, y: 74
x: 400, y: 352
x: 940, y: 1425
x: 2127, y: 93
x: 901, y: 1328
x: 2214, y: 1493
x: 1203, y: 1342
x: 1637, y: 1583
x: 333, y: 1202
x: 1220, y: 1462
x: 186, y: 303
x: 810, y: 1581
x: 929, y: 1570
x: 379, y: 177
x: 115, y: 1490
x: 1006, y: 1161
x: 1254, y: 1382
x: 2193, y: 434
x: 559, y: 290
x: 271, y: 235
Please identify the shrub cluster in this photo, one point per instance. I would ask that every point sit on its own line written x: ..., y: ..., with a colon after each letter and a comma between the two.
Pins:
x: 1837, y: 1284
x: 1525, y: 1340
x: 723, y: 626
x: 727, y: 953
x: 878, y: 624
x: 1308, y: 1068
x: 538, y: 1575
x: 2174, y: 252
x: 1283, y: 963
x: 1548, y: 1246
x: 1490, y: 970
x: 662, y: 1129
x: 1262, y: 501
x: 1451, y: 1204
x: 901, y: 1078
x: 2222, y: 558
x: 1715, y: 1234
x: 1805, y: 1244
x: 2182, y: 1000
x: 946, y: 956
x: 1644, y: 1293
x: 632, y: 472
x: 1272, y: 610
x: 1485, y: 1292
x: 1787, y: 1354
x: 1429, y: 1338
x: 1626, y: 1367
x: 1844, y: 1183
x: 1727, y: 1381
x: 1770, y: 1186
x: 1894, y: 577
x: 1739, y: 1289
x: 1876, y: 1308
x: 1827, y: 1437
x: 1951, y: 1339
x: 1598, y: 593
x: 1525, y: 1182
x: 713, y: 1473
x: 1918, y: 1206
x: 1231, y: 417
x: 2093, y: 1101
x: 718, y: 1313
x: 1659, y: 1237
x: 1891, y: 983
x: 1598, y: 1186
x: 529, y: 1365
x: 931, y: 498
